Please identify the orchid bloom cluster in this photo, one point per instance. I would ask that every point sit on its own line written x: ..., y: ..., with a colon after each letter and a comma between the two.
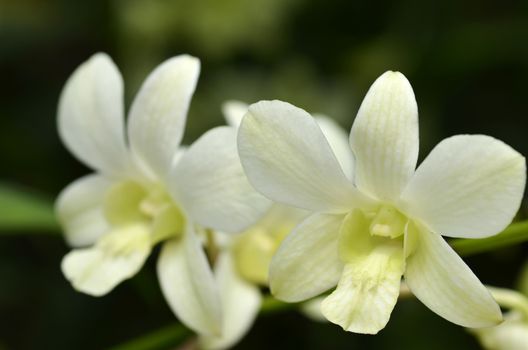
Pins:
x: 277, y: 198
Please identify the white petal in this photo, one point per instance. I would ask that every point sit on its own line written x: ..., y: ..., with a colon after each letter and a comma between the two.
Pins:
x: 469, y: 186
x: 384, y: 137
x: 512, y: 334
x: 281, y: 218
x: 159, y: 111
x: 445, y: 284
x: 367, y: 292
x: 288, y: 159
x: 211, y: 185
x: 338, y: 140
x: 234, y: 112
x: 115, y: 258
x: 312, y: 309
x: 79, y: 208
x: 307, y: 262
x: 188, y: 284
x: 91, y: 117
x: 240, y: 305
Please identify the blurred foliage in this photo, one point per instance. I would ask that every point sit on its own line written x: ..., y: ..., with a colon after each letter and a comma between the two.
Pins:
x: 22, y: 211
x: 467, y: 61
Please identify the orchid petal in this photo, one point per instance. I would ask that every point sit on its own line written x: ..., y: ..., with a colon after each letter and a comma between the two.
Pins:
x: 288, y: 159
x: 338, y: 140
x: 79, y: 208
x: 444, y: 283
x: 307, y: 262
x: 116, y: 257
x: 469, y: 186
x: 159, y: 111
x: 211, y: 185
x: 91, y: 116
x: 240, y: 305
x: 384, y: 137
x: 188, y: 284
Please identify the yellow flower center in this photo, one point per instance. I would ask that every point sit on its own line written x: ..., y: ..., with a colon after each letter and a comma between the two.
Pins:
x: 129, y: 203
x: 364, y: 232
x: 388, y: 222
x: 254, y: 249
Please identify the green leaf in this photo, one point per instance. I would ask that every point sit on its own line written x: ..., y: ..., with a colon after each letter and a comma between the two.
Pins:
x: 514, y: 234
x: 21, y: 210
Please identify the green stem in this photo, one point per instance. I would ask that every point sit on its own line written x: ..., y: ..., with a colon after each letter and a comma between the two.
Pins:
x: 161, y: 339
x: 514, y: 234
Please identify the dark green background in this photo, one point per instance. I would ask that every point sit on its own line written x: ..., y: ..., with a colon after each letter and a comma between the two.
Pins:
x: 468, y: 64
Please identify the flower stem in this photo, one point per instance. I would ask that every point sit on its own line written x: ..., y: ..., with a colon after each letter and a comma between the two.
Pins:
x: 164, y: 338
x: 514, y: 234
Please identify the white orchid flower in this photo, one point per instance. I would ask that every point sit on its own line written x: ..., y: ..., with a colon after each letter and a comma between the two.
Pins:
x: 364, y: 235
x: 148, y: 190
x: 244, y: 259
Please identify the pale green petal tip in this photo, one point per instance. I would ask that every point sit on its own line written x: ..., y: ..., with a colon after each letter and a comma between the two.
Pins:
x: 393, y: 80
x: 100, y: 58
x: 191, y: 63
x: 395, y: 75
